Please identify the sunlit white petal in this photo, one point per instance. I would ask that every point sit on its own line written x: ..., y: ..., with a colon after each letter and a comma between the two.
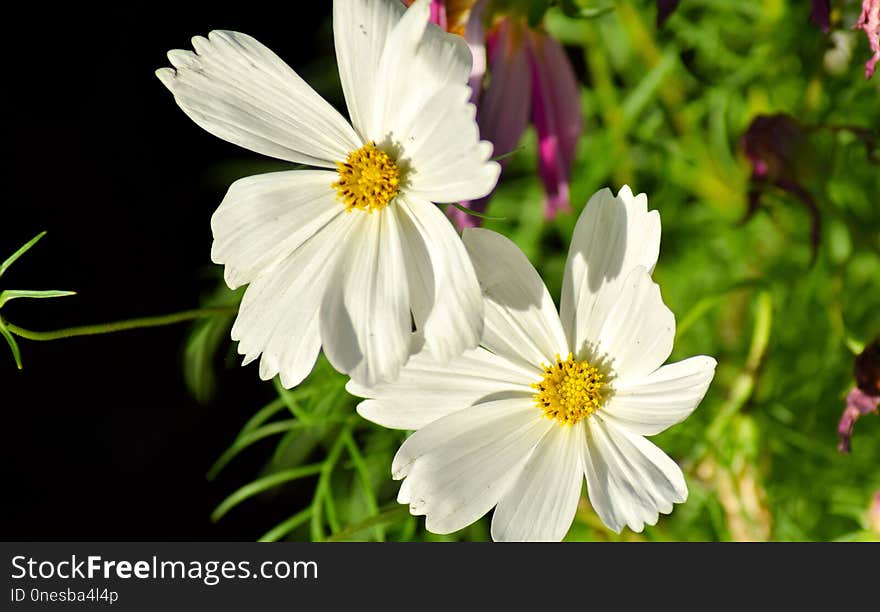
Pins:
x: 428, y: 389
x: 282, y: 305
x: 665, y: 397
x: 236, y: 88
x: 613, y: 235
x: 541, y: 505
x: 365, y: 313
x: 434, y: 122
x: 444, y: 292
x: 629, y: 480
x: 636, y: 336
x: 265, y: 217
x: 458, y: 467
x: 360, y: 31
x: 521, y: 320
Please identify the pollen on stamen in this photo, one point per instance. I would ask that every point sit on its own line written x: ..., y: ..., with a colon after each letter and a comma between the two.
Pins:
x: 368, y: 180
x: 570, y: 391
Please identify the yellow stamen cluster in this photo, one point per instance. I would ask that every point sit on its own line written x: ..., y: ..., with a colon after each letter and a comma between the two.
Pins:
x: 571, y: 390
x: 369, y: 179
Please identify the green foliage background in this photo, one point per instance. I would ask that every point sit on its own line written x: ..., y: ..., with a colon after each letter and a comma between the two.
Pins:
x: 663, y: 112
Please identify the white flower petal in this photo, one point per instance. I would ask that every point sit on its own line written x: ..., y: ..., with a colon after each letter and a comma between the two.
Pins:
x: 365, y: 316
x: 421, y: 103
x: 521, y: 320
x: 638, y: 332
x: 458, y: 467
x: 267, y: 216
x: 427, y: 389
x: 629, y: 480
x: 360, y: 30
x: 278, y: 316
x: 240, y: 91
x: 663, y: 398
x: 418, y: 60
x: 450, y: 161
x: 445, y: 294
x: 613, y: 235
x: 542, y: 503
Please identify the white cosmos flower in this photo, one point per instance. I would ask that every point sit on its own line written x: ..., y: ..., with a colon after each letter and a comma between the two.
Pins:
x: 350, y: 256
x: 549, y: 398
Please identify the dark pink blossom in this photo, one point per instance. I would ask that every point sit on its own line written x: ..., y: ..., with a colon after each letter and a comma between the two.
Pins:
x: 776, y: 145
x: 858, y: 403
x: 556, y: 114
x: 438, y: 13
x: 869, y: 22
x: 821, y: 14
x: 529, y: 79
x: 864, y: 397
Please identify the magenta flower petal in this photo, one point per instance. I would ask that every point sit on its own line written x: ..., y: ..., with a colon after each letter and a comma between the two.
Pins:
x: 874, y: 513
x: 858, y: 403
x: 821, y: 14
x: 504, y: 106
x: 438, y: 13
x: 475, y: 37
x: 503, y: 112
x: 556, y: 113
x: 869, y: 23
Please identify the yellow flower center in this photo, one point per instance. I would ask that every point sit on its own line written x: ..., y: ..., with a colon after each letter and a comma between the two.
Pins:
x: 369, y: 179
x: 571, y: 390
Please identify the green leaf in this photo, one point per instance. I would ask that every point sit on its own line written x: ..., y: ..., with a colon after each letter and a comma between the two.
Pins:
x: 536, y: 10
x: 285, y: 527
x: 208, y: 338
x: 363, y: 473
x: 248, y: 438
x: 646, y: 91
x: 383, y: 518
x: 264, y: 484
x: 5, y: 265
x: 573, y: 9
x: 12, y: 345
x: 263, y: 414
x: 323, y: 490
x: 10, y: 294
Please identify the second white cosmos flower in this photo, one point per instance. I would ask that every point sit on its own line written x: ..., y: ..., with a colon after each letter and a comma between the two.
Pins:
x: 350, y: 257
x: 550, y: 398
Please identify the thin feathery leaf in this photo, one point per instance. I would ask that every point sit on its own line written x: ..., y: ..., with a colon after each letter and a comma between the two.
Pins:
x: 24, y: 249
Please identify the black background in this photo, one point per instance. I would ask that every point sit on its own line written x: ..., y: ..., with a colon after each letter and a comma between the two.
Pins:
x: 100, y: 438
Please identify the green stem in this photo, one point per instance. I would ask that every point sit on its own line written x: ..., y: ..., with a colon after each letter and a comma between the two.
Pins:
x: 389, y: 515
x: 366, y: 482
x: 322, y: 489
x: 118, y: 326
x: 744, y: 385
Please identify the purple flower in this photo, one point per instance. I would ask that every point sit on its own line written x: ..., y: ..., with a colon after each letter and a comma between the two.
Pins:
x: 529, y: 79
x: 864, y: 397
x: 556, y: 114
x: 776, y: 146
x: 858, y: 403
x: 821, y: 14
x: 869, y: 22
